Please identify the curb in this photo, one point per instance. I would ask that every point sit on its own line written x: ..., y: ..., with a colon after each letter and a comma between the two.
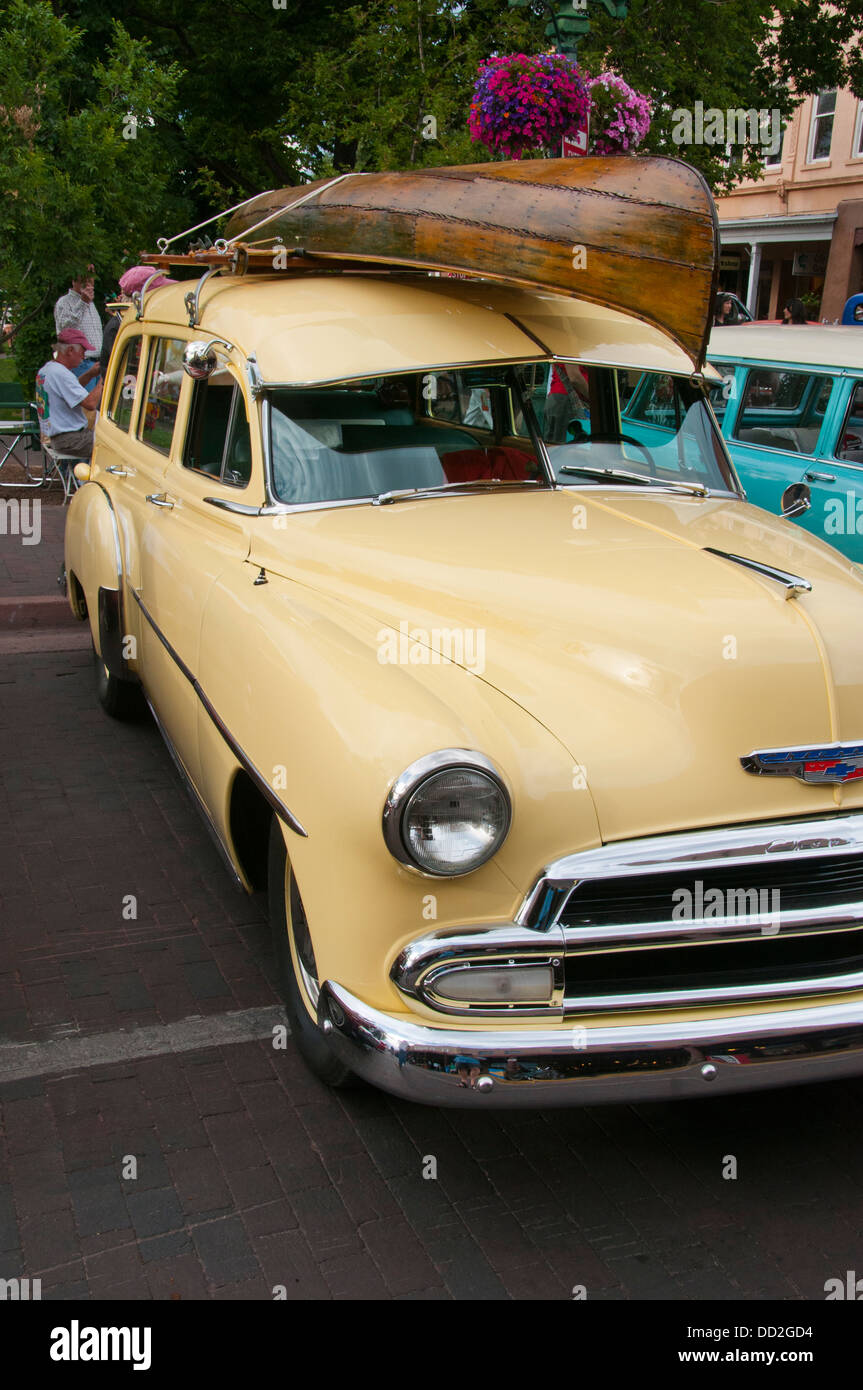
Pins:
x: 41, y: 610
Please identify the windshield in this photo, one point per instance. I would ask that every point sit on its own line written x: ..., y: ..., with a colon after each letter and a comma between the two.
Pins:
x: 480, y: 427
x: 600, y: 419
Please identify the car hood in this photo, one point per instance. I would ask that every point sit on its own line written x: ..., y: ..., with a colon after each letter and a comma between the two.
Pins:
x: 656, y: 664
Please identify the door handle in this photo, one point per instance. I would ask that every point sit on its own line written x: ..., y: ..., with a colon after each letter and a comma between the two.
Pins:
x: 159, y: 499
x: 118, y: 472
x: 812, y: 477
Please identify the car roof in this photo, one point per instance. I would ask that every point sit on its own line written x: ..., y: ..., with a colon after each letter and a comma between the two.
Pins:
x: 311, y: 327
x: 811, y: 345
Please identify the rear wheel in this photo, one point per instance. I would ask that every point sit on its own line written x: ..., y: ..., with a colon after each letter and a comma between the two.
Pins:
x: 121, y: 699
x: 296, y: 967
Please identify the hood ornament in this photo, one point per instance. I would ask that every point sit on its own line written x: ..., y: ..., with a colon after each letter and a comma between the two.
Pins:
x: 828, y: 762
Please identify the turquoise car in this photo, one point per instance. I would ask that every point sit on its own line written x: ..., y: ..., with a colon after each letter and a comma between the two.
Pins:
x: 791, y: 411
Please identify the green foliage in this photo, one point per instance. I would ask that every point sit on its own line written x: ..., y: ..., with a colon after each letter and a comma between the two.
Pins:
x: 395, y: 91
x: 74, y: 188
x: 233, y: 97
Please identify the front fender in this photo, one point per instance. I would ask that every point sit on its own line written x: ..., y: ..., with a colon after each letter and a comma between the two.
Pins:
x: 297, y: 680
x: 93, y: 556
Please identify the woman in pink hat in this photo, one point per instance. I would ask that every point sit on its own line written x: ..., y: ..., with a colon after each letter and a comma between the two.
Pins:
x: 130, y: 282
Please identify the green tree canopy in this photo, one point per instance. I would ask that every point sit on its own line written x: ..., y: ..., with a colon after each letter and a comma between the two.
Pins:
x: 83, y: 176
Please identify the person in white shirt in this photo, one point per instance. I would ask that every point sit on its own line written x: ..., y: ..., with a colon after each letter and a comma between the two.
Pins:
x: 78, y: 310
x: 61, y: 399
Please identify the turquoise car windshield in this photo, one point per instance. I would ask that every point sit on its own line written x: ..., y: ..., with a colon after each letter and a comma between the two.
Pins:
x: 646, y: 423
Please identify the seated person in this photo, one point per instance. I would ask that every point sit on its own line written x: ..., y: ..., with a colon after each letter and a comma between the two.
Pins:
x: 61, y: 399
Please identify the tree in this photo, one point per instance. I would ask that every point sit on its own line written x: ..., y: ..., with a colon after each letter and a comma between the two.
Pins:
x: 82, y: 170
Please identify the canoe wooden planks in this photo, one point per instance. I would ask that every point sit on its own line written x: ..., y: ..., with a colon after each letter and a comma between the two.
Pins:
x: 647, y: 227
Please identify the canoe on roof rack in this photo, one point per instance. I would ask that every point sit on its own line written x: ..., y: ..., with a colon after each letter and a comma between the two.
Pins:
x: 637, y: 235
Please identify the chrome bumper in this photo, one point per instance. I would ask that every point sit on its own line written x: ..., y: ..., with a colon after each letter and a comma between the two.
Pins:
x: 534, y: 1067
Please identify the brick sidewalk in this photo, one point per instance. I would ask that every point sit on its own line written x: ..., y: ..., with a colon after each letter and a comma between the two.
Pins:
x: 250, y: 1175
x: 29, y: 570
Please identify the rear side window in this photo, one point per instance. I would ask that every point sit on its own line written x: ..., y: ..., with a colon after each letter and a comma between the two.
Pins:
x: 164, y: 382
x: 125, y: 384
x: 722, y: 394
x: 850, y: 444
x: 217, y: 440
x: 783, y: 409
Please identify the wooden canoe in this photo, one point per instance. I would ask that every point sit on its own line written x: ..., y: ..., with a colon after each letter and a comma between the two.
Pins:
x: 637, y: 235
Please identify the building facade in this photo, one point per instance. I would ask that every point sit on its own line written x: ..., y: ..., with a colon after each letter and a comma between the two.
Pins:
x: 799, y: 231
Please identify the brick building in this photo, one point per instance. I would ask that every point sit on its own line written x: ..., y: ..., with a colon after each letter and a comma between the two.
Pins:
x: 799, y: 231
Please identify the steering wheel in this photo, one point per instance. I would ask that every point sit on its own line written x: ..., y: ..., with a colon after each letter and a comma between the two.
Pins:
x: 621, y: 439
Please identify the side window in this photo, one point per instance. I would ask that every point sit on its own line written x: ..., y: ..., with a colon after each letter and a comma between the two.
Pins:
x: 783, y: 409
x: 721, y: 394
x: 850, y: 443
x: 217, y: 440
x: 454, y: 397
x: 656, y: 402
x: 164, y: 381
x: 125, y: 382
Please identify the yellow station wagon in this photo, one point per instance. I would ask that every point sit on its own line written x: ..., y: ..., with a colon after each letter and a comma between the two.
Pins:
x: 547, y: 747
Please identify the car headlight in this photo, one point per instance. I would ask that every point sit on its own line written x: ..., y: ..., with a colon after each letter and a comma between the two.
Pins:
x: 448, y: 813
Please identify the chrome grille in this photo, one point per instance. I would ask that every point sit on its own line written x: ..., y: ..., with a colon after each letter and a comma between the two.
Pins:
x: 785, y: 916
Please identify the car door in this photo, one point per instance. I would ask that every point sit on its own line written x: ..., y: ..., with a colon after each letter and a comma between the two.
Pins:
x: 188, y: 538
x: 837, y: 484
x: 776, y: 431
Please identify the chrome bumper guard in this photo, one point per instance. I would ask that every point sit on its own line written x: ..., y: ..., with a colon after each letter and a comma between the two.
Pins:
x: 543, y: 1067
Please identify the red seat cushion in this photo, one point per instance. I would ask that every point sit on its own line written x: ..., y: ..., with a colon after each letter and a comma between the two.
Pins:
x: 506, y: 463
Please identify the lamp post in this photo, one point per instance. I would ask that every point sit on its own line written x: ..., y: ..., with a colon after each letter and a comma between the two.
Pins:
x: 569, y: 20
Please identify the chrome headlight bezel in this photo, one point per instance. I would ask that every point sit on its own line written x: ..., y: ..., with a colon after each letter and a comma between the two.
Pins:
x: 409, y: 783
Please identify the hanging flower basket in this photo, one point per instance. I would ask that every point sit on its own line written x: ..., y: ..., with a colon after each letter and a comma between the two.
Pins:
x: 619, y: 115
x: 523, y: 104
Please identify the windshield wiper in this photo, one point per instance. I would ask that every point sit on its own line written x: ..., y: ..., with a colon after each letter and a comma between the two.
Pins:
x: 406, y: 494
x: 696, y: 489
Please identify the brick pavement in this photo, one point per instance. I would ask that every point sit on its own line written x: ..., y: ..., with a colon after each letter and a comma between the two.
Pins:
x: 253, y: 1177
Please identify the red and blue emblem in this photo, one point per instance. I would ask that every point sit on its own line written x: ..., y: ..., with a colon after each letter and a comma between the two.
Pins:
x: 834, y: 762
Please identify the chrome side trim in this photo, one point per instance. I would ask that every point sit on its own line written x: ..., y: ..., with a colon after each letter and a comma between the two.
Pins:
x: 526, y: 1068
x: 224, y: 853
x: 792, y: 582
x: 263, y: 786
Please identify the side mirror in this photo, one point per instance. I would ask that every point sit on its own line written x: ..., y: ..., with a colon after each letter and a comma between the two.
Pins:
x: 796, y: 499
x: 199, y: 360
x: 82, y: 472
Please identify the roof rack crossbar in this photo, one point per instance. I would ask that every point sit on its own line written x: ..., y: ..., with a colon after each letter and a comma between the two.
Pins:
x: 222, y: 245
x: 164, y: 242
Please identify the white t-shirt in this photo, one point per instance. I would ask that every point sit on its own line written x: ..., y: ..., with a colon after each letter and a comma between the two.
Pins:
x: 58, y: 399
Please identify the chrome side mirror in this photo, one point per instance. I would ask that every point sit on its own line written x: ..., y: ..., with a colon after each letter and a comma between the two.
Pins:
x: 199, y: 360
x: 796, y: 499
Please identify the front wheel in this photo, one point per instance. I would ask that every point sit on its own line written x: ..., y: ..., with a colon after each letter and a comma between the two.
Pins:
x: 296, y: 968
x: 121, y: 699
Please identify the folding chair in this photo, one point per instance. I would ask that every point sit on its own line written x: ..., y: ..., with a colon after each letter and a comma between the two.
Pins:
x: 63, y: 465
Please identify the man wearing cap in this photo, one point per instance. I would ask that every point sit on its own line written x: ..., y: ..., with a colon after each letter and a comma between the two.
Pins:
x: 77, y: 310
x: 61, y: 399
